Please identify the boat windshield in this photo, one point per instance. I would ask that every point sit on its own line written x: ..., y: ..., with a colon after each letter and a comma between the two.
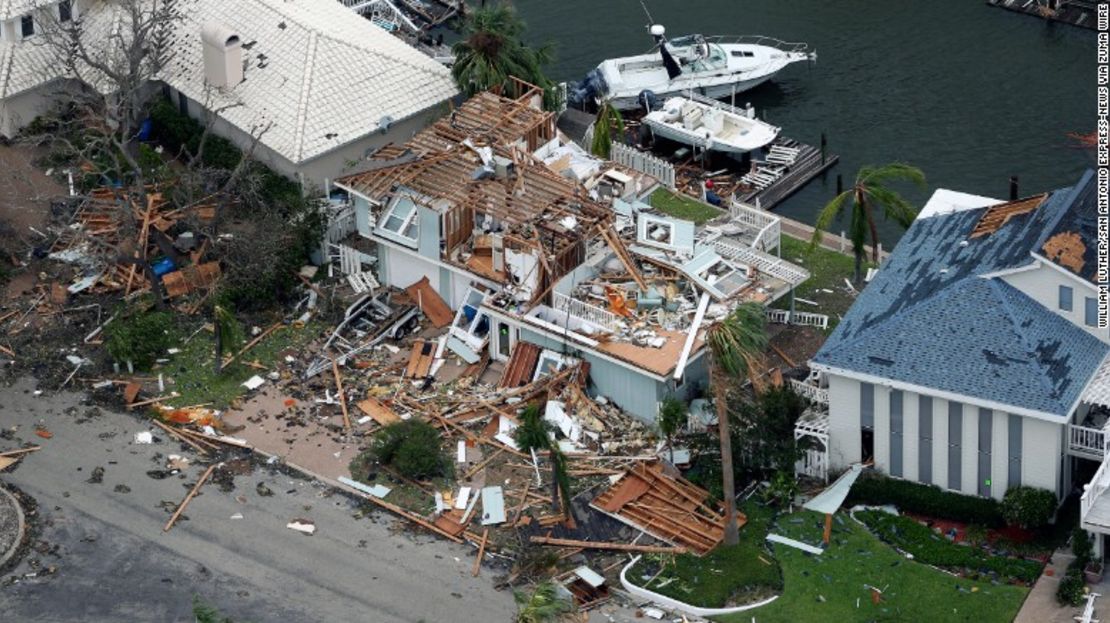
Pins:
x: 717, y: 59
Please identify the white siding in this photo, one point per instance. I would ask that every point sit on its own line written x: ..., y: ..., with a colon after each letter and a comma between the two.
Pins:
x: 1043, y: 285
x: 1000, y: 449
x: 844, y: 425
x: 1041, y: 452
x: 406, y: 269
x: 940, y: 443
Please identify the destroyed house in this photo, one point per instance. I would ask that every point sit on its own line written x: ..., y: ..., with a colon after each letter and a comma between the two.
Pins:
x: 549, y: 264
x: 974, y: 360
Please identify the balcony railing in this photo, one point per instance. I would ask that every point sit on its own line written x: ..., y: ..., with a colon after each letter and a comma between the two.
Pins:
x: 819, y: 395
x: 1086, y: 442
x: 585, y: 311
x: 1092, y: 491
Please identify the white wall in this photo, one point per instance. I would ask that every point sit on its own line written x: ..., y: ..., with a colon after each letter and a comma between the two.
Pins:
x: 1043, y: 285
x: 18, y: 111
x: 1042, y: 442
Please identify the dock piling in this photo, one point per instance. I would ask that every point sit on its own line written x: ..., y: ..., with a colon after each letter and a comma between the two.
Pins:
x: 1013, y: 188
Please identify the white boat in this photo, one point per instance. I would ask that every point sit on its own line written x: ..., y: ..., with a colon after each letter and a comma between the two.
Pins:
x: 714, y: 67
x: 710, y: 126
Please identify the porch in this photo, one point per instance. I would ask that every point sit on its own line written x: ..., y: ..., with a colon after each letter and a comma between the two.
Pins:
x: 812, y: 430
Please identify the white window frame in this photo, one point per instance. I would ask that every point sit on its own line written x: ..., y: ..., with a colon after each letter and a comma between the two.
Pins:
x: 561, y: 362
x: 409, y: 220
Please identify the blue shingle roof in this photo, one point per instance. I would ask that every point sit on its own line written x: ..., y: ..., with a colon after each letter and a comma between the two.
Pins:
x: 929, y: 317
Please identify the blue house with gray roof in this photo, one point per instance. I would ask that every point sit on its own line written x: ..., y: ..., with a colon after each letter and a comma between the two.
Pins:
x: 975, y: 358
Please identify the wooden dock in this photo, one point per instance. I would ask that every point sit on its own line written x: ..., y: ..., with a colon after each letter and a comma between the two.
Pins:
x: 1082, y: 13
x: 809, y: 164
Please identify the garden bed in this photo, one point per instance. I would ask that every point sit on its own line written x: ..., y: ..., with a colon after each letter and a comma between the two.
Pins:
x: 683, y: 207
x: 930, y: 546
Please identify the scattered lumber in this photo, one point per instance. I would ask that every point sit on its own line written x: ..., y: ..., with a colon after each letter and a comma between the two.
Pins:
x: 481, y: 552
x: 342, y: 397
x: 188, y: 498
x: 620, y: 547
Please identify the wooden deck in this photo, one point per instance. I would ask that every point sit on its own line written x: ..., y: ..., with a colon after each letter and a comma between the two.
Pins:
x: 807, y: 166
x: 1075, y: 13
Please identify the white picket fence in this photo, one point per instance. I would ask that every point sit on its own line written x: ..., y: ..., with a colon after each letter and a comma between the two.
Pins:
x: 643, y: 162
x: 808, y: 319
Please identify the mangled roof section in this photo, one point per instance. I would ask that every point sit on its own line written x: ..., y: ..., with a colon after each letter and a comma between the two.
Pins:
x: 1071, y: 243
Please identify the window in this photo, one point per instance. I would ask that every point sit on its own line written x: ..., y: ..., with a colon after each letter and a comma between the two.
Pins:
x: 1013, y: 473
x: 867, y: 405
x: 1065, y: 298
x: 65, y: 10
x: 986, y: 429
x: 1091, y: 315
x: 401, y: 219
x: 743, y: 54
x: 27, y: 24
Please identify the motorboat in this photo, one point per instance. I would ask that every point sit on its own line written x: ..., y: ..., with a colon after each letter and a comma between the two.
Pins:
x: 714, y: 67
x: 710, y: 125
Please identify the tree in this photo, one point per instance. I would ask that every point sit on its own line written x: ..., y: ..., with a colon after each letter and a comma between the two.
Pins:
x: 672, y: 417
x: 228, y: 332
x: 868, y: 194
x: 412, y: 447
x: 491, y: 52
x: 736, y: 344
x: 534, y: 434
x: 763, y: 433
x: 543, y: 605
x: 608, y: 122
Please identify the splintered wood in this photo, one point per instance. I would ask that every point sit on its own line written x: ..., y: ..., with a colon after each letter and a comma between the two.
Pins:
x: 670, y: 509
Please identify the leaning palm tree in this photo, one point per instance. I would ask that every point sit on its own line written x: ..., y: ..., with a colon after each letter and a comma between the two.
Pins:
x: 533, y: 434
x: 867, y: 195
x: 543, y: 605
x: 736, y: 344
x: 491, y: 52
x: 607, y: 123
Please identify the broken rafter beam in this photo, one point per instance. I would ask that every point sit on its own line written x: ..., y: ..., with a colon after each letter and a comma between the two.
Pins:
x: 188, y: 498
x: 620, y: 547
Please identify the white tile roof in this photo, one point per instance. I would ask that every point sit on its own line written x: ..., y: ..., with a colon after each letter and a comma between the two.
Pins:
x: 1098, y: 390
x: 318, y: 74
x: 16, y: 8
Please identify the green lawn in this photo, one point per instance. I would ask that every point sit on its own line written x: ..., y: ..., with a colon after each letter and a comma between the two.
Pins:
x: 683, y: 207
x: 827, y: 269
x: 728, y: 575
x: 194, y: 375
x: 828, y: 587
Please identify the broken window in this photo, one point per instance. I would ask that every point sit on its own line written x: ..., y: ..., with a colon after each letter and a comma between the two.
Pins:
x: 65, y: 10
x: 27, y: 24
x: 550, y: 362
x: 401, y: 219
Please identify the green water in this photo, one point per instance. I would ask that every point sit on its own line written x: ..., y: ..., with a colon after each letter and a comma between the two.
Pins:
x: 971, y: 94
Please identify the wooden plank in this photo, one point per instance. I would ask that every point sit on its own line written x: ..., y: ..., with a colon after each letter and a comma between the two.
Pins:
x: 481, y: 552
x: 342, y: 396
x: 192, y: 493
x: 20, y: 451
x: 376, y: 409
x: 619, y: 547
x: 429, y: 301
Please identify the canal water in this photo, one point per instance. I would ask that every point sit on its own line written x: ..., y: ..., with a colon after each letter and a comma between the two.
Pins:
x: 969, y: 93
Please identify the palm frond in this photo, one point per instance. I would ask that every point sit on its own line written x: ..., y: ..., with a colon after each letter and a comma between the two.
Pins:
x: 738, y: 338
x: 894, y: 206
x: 893, y: 172
x: 543, y: 605
x: 826, y: 216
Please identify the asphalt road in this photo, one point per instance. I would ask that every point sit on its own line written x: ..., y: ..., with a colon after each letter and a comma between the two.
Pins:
x: 114, y: 562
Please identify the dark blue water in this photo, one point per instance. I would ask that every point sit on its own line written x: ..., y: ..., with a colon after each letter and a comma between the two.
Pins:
x: 969, y: 93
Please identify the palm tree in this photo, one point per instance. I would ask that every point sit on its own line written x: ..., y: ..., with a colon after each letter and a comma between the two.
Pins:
x: 672, y: 416
x: 543, y: 605
x: 867, y: 195
x: 228, y: 332
x: 532, y: 434
x: 736, y: 344
x: 491, y: 52
x: 608, y: 121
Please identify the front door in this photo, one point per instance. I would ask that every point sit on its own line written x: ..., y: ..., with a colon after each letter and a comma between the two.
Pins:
x: 506, y: 337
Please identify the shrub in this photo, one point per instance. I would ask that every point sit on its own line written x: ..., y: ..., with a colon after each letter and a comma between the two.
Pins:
x: 931, y: 548
x: 782, y: 490
x: 1028, y: 507
x: 1071, y: 590
x: 1081, y: 547
x: 411, y: 447
x: 926, y: 500
x: 140, y: 337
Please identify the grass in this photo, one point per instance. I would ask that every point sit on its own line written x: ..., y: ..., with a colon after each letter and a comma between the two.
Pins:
x: 683, y: 207
x: 828, y: 587
x: 825, y: 286
x: 728, y: 575
x: 193, y: 370
x: 406, y: 494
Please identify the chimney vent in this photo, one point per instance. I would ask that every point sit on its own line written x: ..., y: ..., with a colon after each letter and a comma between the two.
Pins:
x: 223, y: 56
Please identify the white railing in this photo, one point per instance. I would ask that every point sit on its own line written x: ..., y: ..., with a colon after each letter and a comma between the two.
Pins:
x: 1086, y: 441
x: 585, y: 311
x: 820, y: 395
x: 808, y: 319
x: 643, y: 162
x: 768, y: 226
x: 1092, y: 490
x: 341, y: 223
x: 761, y: 261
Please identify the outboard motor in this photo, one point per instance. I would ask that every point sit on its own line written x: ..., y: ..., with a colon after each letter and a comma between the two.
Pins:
x: 648, y: 100
x: 591, y: 87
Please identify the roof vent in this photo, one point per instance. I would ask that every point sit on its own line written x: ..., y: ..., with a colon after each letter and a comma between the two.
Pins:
x: 223, y: 55
x: 963, y: 243
x: 384, y: 123
x: 944, y: 271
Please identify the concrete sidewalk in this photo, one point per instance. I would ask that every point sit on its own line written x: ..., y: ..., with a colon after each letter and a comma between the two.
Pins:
x: 1041, y: 605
